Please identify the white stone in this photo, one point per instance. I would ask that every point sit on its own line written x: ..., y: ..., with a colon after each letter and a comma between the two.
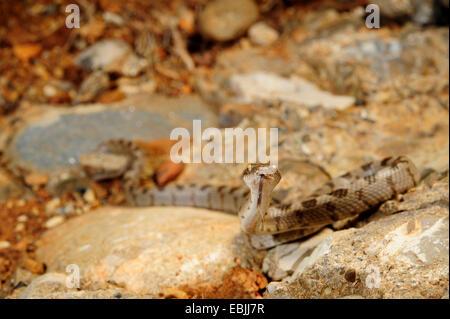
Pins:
x: 262, y: 34
x: 257, y: 86
x: 146, y: 250
x: 54, y: 221
x: 4, y: 244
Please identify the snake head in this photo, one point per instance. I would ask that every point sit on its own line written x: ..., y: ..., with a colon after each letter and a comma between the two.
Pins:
x: 255, y: 173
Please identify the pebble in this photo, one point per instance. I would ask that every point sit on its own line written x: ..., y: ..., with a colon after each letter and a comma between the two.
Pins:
x: 225, y: 20
x: 49, y: 90
x: 186, y: 21
x: 113, y: 18
x: 4, y: 244
x: 54, y: 221
x: 52, y: 205
x: 65, y: 210
x: 89, y: 196
x: 36, y: 179
x: 111, y: 56
x: 262, y: 34
x: 22, y: 218
x: 34, y: 266
x: 92, y: 86
x: 19, y: 227
x: 102, y: 54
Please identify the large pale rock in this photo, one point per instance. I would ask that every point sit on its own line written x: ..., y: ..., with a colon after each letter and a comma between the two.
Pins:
x: 149, y: 250
x: 381, y: 67
x: 401, y: 256
x: 214, y: 86
x: 50, y: 140
x: 224, y: 20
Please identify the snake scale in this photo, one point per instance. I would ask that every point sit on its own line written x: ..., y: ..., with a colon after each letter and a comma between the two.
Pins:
x: 268, y: 223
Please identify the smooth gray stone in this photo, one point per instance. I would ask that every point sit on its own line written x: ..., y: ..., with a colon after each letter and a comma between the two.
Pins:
x: 56, y: 137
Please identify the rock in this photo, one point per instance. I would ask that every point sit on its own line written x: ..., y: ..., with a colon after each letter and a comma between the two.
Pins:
x: 19, y: 227
x: 4, y: 244
x: 131, y: 65
x: 103, y: 165
x: 213, y: 85
x: 262, y: 34
x: 52, y: 205
x: 65, y: 210
x: 54, y: 286
x: 148, y: 250
x: 54, y: 221
x: 92, y: 86
x: 111, y: 56
x: 424, y: 11
x: 283, y: 260
x: 34, y: 266
x: 253, y: 59
x: 132, y: 86
x: 50, y: 140
x: 102, y: 54
x: 55, y: 91
x: 36, y: 179
x: 360, y: 64
x: 186, y: 21
x: 50, y: 283
x: 21, y: 277
x: 89, y: 196
x: 419, y: 11
x: 113, y: 18
x: 395, y: 9
x: 225, y: 20
x: 399, y: 256
x: 260, y: 86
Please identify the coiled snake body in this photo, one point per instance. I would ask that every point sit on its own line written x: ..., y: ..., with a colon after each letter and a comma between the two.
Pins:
x: 267, y: 222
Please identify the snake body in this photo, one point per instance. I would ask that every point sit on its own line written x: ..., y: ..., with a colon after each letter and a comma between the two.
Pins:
x: 267, y: 222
